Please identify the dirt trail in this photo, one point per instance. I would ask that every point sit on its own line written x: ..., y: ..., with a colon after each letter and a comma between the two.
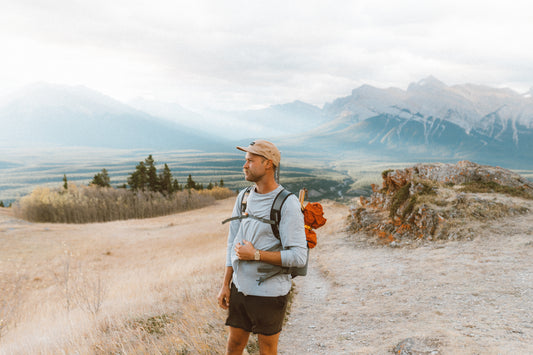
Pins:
x: 469, y: 297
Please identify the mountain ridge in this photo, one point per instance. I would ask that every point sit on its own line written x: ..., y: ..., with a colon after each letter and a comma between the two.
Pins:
x: 431, y: 119
x: 58, y: 115
x: 428, y: 119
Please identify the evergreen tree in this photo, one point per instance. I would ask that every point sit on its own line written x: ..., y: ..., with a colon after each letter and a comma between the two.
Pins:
x: 190, y: 183
x: 65, y: 182
x: 101, y: 179
x: 221, y: 183
x: 2, y: 204
x: 139, y: 178
x: 151, y: 174
x: 165, y: 181
x: 210, y: 186
x: 176, y: 186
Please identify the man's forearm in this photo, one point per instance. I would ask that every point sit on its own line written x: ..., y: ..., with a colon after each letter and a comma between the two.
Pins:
x: 228, y: 274
x: 270, y: 257
x: 246, y: 251
x: 224, y: 293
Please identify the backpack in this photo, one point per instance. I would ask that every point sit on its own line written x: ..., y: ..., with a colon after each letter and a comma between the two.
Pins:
x: 275, y: 218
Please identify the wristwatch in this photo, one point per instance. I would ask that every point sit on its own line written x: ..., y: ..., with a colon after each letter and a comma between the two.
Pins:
x: 257, y: 255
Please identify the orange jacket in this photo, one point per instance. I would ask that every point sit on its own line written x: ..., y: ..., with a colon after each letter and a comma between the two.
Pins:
x: 313, y: 218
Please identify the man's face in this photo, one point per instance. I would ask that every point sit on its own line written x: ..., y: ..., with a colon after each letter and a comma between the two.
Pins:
x: 254, y: 167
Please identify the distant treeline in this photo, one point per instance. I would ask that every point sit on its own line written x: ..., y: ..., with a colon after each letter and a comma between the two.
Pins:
x: 148, y: 194
x: 146, y: 178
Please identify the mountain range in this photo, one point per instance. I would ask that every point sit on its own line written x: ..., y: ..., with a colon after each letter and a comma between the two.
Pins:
x: 431, y: 120
x: 55, y: 115
x: 428, y: 120
x: 273, y: 121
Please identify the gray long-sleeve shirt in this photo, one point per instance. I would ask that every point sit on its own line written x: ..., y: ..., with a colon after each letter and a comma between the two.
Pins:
x: 292, y: 243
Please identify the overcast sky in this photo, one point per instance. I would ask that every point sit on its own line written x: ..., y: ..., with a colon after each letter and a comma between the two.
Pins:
x: 250, y: 54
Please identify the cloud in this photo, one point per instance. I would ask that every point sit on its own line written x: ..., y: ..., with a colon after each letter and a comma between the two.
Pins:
x: 242, y: 54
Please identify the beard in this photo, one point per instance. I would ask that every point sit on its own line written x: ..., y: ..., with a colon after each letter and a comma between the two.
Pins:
x: 250, y: 176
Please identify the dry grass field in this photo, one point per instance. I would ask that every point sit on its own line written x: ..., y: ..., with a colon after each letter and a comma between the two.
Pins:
x: 130, y: 287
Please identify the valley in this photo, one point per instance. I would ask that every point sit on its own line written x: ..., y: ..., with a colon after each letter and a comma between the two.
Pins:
x: 335, y: 151
x: 22, y: 171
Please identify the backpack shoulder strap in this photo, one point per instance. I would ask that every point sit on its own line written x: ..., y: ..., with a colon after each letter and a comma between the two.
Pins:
x: 275, y: 211
x: 244, y: 203
x: 275, y: 216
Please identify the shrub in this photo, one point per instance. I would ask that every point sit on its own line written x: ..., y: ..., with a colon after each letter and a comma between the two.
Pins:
x: 219, y: 193
x: 384, y: 173
x: 98, y: 204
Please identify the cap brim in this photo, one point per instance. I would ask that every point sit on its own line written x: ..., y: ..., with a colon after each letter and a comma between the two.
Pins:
x: 249, y: 150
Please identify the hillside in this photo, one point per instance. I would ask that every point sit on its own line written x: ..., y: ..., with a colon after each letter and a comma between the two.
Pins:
x: 273, y: 121
x: 160, y: 277
x: 137, y: 286
x: 55, y: 115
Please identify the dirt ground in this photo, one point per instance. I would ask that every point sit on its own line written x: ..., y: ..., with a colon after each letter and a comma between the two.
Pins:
x: 461, y: 297
x: 466, y: 297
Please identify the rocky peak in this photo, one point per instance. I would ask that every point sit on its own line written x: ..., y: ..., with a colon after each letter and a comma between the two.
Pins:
x: 436, y: 201
x: 429, y: 82
x: 457, y: 174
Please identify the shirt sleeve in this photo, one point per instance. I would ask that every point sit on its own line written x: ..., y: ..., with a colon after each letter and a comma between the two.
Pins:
x: 233, y: 227
x: 292, y: 234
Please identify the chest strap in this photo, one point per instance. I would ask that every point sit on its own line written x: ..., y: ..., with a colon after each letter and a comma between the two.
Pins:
x: 246, y: 215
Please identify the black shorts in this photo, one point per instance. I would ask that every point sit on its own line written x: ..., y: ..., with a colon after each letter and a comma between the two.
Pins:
x: 257, y: 314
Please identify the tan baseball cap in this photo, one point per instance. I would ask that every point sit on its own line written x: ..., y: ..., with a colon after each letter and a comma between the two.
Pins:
x: 265, y: 149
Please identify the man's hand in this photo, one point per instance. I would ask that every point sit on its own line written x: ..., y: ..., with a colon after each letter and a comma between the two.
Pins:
x: 246, y: 251
x: 223, y: 297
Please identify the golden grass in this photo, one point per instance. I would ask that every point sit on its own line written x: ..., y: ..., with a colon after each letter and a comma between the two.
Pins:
x: 88, y: 204
x: 125, y: 287
x: 219, y: 193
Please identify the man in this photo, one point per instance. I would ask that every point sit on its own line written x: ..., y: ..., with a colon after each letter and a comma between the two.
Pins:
x: 254, y: 251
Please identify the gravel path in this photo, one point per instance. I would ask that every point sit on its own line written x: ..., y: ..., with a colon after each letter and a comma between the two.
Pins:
x: 469, y: 297
x: 304, y: 331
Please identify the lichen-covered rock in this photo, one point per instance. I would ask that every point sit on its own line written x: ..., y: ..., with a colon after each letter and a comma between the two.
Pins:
x: 433, y: 201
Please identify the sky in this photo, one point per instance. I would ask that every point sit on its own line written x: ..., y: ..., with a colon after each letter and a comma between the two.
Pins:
x: 251, y: 54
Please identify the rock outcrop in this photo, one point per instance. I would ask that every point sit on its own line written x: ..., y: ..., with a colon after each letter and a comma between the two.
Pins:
x: 436, y: 201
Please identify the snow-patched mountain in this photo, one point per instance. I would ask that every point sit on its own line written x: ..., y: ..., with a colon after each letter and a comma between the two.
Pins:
x: 467, y: 106
x: 46, y: 114
x: 432, y: 119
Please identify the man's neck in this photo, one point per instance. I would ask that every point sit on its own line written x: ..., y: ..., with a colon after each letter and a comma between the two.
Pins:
x: 264, y: 187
